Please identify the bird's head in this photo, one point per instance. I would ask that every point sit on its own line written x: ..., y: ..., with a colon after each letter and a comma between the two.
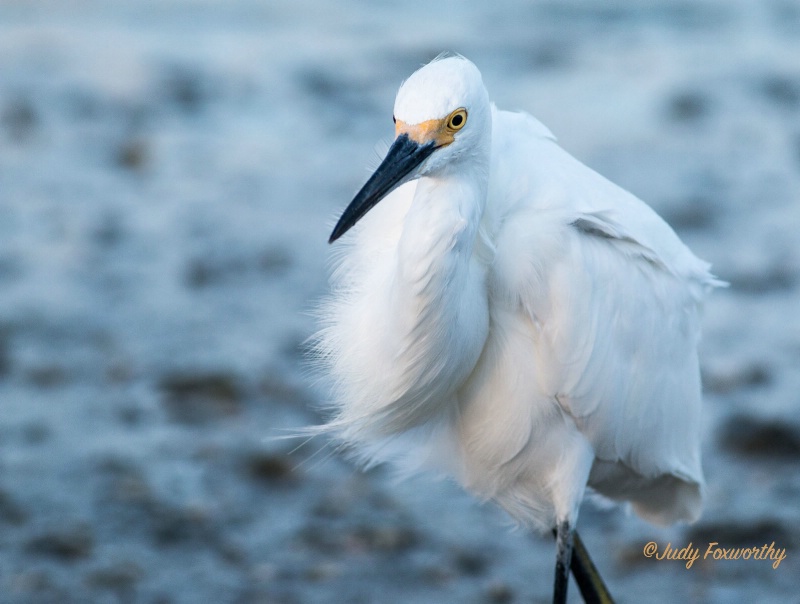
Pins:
x: 442, y: 117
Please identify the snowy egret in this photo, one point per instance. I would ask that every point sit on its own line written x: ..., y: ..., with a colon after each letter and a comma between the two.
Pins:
x: 509, y: 317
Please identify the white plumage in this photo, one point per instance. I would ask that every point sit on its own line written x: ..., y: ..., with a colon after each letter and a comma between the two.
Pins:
x: 511, y: 318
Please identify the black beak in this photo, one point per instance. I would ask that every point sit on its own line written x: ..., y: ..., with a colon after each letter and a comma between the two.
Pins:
x: 404, y: 155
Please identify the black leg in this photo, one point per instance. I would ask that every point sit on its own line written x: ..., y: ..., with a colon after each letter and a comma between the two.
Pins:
x: 591, y: 585
x: 563, y: 561
x: 593, y: 589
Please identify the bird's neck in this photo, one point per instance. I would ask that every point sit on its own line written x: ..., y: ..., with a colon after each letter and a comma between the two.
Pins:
x: 440, y: 229
x: 428, y: 329
x: 438, y: 301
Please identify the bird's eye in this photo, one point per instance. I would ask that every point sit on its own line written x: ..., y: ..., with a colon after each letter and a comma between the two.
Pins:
x: 394, y: 119
x: 457, y: 119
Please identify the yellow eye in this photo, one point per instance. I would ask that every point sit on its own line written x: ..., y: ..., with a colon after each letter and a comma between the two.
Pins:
x: 457, y: 119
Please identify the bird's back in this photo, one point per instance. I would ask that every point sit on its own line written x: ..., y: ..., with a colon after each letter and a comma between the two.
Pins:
x: 595, y: 302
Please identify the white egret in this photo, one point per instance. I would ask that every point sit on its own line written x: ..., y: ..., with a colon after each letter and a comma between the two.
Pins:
x: 509, y: 317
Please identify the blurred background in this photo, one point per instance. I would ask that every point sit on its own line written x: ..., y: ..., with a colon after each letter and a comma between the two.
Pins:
x: 169, y: 171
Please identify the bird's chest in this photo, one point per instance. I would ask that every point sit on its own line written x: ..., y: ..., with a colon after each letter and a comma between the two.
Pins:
x: 415, y: 322
x: 441, y: 317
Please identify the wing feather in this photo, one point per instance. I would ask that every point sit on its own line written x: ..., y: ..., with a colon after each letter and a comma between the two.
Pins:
x: 617, y: 299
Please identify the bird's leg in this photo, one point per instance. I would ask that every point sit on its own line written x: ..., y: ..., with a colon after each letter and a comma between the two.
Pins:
x: 564, y: 537
x: 590, y: 583
x: 593, y: 589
